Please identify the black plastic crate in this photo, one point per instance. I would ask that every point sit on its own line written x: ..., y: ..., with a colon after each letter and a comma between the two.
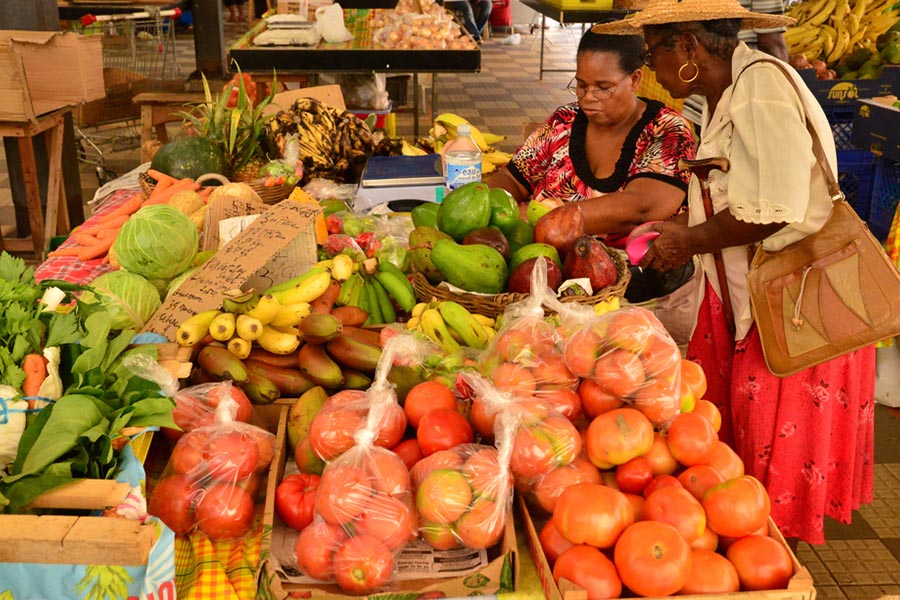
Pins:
x: 856, y: 172
x: 885, y: 193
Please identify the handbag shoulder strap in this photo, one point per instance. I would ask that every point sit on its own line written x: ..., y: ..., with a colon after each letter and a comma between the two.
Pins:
x: 833, y: 188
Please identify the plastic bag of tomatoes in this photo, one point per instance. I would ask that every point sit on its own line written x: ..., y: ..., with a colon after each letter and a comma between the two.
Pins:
x: 195, y: 406
x: 213, y: 477
x: 624, y: 356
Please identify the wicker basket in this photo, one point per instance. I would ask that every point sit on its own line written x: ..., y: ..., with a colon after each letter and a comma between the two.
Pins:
x: 269, y: 195
x: 493, y: 306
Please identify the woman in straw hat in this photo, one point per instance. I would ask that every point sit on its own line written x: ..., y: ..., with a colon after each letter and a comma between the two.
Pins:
x: 808, y: 437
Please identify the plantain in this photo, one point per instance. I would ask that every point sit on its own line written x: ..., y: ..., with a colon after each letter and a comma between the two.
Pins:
x: 319, y: 367
x: 221, y: 364
x: 319, y: 328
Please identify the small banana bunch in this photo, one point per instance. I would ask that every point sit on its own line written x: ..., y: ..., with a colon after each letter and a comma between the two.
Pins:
x: 444, y: 130
x: 376, y: 288
x: 827, y: 30
x: 451, y: 325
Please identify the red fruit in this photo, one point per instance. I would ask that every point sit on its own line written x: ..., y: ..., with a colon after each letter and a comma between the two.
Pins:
x: 588, y: 258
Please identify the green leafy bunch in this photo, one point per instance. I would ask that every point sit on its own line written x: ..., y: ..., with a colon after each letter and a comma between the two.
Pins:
x: 239, y: 130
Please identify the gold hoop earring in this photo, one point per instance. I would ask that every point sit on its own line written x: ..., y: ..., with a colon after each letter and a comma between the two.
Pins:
x: 696, y: 72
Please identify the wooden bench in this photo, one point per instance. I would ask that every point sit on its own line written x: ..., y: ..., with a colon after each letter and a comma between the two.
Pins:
x: 159, y: 108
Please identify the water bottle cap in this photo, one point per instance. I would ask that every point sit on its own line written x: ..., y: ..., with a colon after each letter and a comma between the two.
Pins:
x: 463, y: 130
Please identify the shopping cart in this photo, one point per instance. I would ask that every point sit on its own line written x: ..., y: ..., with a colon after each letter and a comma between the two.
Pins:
x: 138, y: 56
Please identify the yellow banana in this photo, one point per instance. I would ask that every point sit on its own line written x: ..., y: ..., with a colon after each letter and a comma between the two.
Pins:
x: 290, y: 314
x: 413, y: 323
x: 859, y: 9
x: 450, y: 122
x: 418, y: 309
x: 327, y: 263
x: 342, y: 267
x: 195, y: 328
x: 432, y: 325
x: 408, y: 149
x: 460, y: 320
x: 840, y: 11
x: 266, y: 309
x: 249, y: 328
x: 221, y: 328
x: 824, y: 14
x: 277, y: 342
x: 492, y: 139
x: 484, y: 320
x: 307, y: 289
x: 239, y: 347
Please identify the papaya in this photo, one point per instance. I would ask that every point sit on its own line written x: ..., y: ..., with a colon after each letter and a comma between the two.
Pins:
x: 421, y: 242
x: 474, y: 268
x: 532, y: 250
x: 425, y: 214
x: 464, y: 209
x: 189, y: 156
x: 504, y: 210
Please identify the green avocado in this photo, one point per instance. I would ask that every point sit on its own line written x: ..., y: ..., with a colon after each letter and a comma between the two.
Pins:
x: 520, y: 235
x: 531, y: 251
x: 504, y: 210
x: 465, y: 209
x: 425, y: 215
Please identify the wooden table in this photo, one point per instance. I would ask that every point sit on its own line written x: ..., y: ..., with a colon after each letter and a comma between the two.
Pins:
x: 159, y: 108
x: 56, y: 220
x: 564, y: 16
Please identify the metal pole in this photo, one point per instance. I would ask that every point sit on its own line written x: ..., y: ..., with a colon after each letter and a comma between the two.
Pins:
x: 209, y: 39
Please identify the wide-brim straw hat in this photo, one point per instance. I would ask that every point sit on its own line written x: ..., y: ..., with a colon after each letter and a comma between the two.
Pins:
x: 663, y: 12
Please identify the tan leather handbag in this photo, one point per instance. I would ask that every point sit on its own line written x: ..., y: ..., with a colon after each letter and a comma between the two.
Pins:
x: 832, y: 292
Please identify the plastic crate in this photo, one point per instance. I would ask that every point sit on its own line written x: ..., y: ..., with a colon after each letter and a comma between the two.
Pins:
x: 841, y: 120
x: 856, y: 171
x: 398, y: 89
x: 885, y: 193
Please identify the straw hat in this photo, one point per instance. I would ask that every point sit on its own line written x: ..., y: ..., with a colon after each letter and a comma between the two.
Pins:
x: 662, y: 12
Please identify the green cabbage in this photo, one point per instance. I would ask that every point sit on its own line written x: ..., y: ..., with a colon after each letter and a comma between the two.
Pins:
x: 157, y: 242
x: 129, y: 299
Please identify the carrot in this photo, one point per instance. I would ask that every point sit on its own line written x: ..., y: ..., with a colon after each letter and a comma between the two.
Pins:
x: 67, y: 251
x: 166, y: 194
x: 125, y: 209
x: 35, y: 367
x: 161, y: 178
x: 205, y: 192
x: 113, y: 223
x: 97, y: 250
x: 83, y: 238
x: 106, y: 233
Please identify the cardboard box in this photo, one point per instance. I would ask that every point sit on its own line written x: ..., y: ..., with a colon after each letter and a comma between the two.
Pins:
x: 277, y: 246
x: 502, y: 570
x: 293, y: 7
x: 876, y: 128
x: 42, y: 71
x: 800, y: 586
x: 844, y: 92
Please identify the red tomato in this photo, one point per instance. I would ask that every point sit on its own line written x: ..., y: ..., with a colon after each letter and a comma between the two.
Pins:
x: 737, y: 507
x: 590, y: 569
x: 653, y: 559
x: 711, y: 573
x: 244, y: 408
x: 547, y: 489
x: 617, y: 436
x: 391, y: 427
x: 677, y: 507
x: 660, y: 457
x: 331, y: 430
x: 442, y: 429
x: 363, y: 564
x: 632, y: 477
x: 590, y: 513
x: 187, y: 456
x: 595, y: 401
x: 386, y: 518
x: 343, y: 491
x: 409, y: 452
x: 762, y: 563
x: 698, y: 479
x: 442, y: 459
x: 172, y: 501
x: 692, y: 439
x: 295, y: 499
x: 552, y: 542
x: 425, y: 397
x: 547, y: 444
x: 482, y: 525
x: 225, y: 512
x: 231, y: 456
x: 316, y: 546
x: 661, y: 481
x: 389, y: 474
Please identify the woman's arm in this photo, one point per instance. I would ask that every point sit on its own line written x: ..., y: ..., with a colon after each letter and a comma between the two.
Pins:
x: 643, y: 199
x: 677, y: 243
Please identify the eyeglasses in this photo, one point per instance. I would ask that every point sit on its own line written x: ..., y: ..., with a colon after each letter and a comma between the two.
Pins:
x: 647, y: 56
x: 597, y: 93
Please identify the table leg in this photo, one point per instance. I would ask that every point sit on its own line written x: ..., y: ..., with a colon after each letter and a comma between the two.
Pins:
x: 415, y: 84
x: 32, y: 194
x: 543, y: 28
x: 434, y: 111
x: 146, y: 129
x: 54, y: 181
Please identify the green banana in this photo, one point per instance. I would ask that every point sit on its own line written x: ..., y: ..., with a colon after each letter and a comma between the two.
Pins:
x: 385, y: 305
x: 295, y: 281
x: 346, y: 292
x: 238, y: 301
x: 432, y: 324
x: 375, y: 317
x: 396, y: 284
x: 464, y: 323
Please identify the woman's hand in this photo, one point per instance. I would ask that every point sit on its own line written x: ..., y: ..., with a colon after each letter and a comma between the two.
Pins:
x: 671, y: 249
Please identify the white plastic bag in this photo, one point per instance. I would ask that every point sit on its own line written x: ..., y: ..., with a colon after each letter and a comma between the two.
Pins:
x: 330, y: 23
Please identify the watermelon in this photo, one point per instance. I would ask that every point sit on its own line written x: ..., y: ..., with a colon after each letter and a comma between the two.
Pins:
x: 190, y: 156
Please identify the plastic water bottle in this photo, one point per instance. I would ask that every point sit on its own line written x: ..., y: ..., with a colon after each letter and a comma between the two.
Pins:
x: 462, y: 159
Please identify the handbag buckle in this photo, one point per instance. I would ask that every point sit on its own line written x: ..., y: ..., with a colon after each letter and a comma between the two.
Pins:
x: 838, y: 197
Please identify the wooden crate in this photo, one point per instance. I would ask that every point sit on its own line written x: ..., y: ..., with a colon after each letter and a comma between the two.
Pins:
x: 800, y: 586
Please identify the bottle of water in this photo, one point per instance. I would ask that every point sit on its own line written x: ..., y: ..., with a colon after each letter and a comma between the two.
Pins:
x: 462, y: 159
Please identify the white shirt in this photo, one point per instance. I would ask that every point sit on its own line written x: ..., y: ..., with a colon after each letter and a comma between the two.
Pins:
x: 760, y: 126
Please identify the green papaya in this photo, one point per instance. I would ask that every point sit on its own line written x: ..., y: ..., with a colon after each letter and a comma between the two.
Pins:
x: 474, y: 268
x: 421, y: 241
x: 532, y: 250
x: 466, y: 208
x: 425, y: 215
x: 504, y: 210
x: 520, y: 235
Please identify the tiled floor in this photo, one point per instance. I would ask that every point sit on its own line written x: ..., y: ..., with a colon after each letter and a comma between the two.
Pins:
x: 859, y: 561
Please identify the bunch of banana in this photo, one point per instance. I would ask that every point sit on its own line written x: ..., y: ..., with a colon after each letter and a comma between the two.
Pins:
x: 376, y: 289
x: 451, y: 325
x: 830, y: 29
x: 444, y: 130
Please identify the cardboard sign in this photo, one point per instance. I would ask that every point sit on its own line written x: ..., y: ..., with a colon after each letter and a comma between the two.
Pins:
x: 283, y: 232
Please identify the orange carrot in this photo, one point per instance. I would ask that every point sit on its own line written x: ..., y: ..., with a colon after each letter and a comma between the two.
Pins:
x: 97, y: 250
x: 106, y: 233
x: 205, y: 192
x: 83, y: 238
x: 35, y: 367
x: 166, y: 194
x: 67, y: 251
x: 123, y: 210
x: 161, y: 178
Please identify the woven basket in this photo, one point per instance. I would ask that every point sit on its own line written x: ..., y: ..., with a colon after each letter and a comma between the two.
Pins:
x: 493, y: 306
x: 269, y: 195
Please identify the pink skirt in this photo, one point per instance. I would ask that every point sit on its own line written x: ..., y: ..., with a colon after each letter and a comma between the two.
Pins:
x: 809, y: 438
